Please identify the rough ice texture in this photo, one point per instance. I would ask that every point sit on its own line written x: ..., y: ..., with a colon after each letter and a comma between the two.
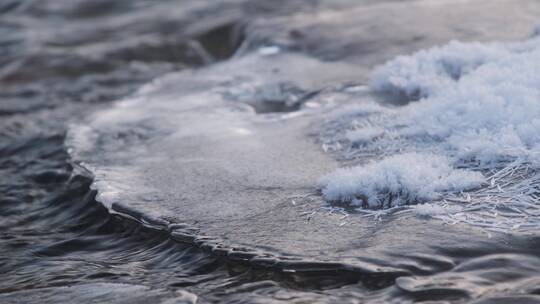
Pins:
x: 487, y: 112
x: 478, y: 107
x: 364, y: 135
x: 398, y: 180
x: 428, y: 71
x: 431, y: 210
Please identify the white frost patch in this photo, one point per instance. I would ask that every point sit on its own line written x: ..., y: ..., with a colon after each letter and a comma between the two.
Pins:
x: 490, y: 114
x: 478, y: 110
x: 364, y: 135
x: 398, y: 180
x: 428, y: 71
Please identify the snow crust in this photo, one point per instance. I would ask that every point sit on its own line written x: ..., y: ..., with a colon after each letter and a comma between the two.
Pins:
x: 476, y: 106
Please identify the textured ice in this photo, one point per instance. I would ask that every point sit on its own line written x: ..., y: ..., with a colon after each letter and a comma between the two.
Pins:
x: 489, y: 113
x: 364, y: 135
x: 478, y: 109
x: 429, y: 71
x: 398, y: 180
x: 189, y: 154
x: 432, y: 210
x: 185, y: 156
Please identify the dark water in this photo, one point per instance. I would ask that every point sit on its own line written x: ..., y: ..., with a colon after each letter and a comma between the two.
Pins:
x: 65, y: 58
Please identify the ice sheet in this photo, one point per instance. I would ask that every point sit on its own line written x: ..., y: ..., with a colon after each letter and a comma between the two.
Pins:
x: 189, y: 154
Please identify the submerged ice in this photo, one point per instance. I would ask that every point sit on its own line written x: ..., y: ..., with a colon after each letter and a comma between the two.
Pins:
x: 477, y: 109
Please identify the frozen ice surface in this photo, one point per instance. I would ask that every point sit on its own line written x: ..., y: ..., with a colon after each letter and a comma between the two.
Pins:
x: 189, y: 154
x: 185, y: 156
x: 478, y: 109
x: 432, y: 210
x: 398, y: 180
x: 487, y: 113
x: 364, y: 135
x: 429, y: 71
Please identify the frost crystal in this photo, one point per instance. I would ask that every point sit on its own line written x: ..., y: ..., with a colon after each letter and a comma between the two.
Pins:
x: 398, y: 180
x: 477, y: 109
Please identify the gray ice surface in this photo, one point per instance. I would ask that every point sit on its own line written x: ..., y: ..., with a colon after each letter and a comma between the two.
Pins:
x: 188, y: 152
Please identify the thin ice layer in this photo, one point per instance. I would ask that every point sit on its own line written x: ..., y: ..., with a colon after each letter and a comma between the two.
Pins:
x: 184, y: 153
x: 188, y: 153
